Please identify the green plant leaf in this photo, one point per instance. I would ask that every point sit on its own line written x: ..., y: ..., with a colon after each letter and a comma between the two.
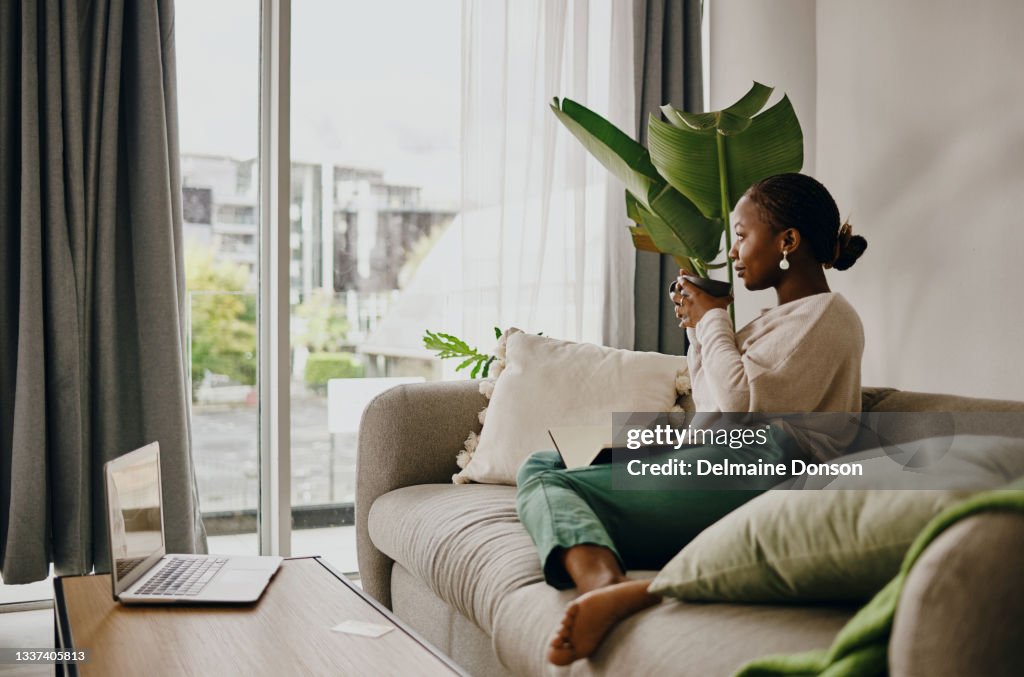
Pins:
x: 497, y: 333
x: 641, y: 238
x: 706, y: 124
x: 773, y: 144
x: 447, y: 342
x: 698, y: 122
x: 447, y: 345
x: 681, y: 231
x: 731, y: 120
x: 732, y: 124
x: 702, y: 235
x: 661, y: 234
x: 633, y: 210
x: 676, y: 227
x: 689, y: 162
x: 703, y: 163
x: 751, y: 103
x: 626, y: 159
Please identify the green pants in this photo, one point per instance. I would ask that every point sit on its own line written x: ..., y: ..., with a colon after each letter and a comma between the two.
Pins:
x: 561, y: 508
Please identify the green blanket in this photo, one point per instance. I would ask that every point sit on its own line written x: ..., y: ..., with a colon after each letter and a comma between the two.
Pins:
x: 861, y: 647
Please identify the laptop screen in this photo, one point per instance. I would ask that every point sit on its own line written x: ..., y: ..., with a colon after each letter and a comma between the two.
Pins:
x: 134, y: 514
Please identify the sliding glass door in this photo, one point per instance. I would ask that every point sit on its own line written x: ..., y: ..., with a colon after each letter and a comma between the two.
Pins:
x: 218, y: 58
x: 365, y: 198
x: 374, y: 189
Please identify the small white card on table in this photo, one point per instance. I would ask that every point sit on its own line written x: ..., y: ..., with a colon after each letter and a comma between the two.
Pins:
x: 363, y: 629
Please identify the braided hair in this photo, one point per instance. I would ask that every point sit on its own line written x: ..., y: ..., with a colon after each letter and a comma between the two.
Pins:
x: 798, y: 201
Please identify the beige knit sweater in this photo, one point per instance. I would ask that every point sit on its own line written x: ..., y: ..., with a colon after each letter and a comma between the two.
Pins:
x: 802, y: 356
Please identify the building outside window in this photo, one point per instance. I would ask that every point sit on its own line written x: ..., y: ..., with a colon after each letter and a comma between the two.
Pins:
x: 372, y: 191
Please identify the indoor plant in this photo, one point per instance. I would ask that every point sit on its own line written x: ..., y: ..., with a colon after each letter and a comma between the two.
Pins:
x: 681, y: 192
x: 447, y: 346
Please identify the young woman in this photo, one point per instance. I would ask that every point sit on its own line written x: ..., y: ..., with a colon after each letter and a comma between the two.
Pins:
x: 801, y: 356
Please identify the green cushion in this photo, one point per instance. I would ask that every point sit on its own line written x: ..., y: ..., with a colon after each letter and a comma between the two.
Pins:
x: 843, y: 543
x: 803, y: 546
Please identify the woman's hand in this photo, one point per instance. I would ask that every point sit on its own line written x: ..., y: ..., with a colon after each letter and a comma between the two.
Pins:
x: 692, y: 302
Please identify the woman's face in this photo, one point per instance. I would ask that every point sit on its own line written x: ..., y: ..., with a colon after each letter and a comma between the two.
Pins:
x: 756, y: 249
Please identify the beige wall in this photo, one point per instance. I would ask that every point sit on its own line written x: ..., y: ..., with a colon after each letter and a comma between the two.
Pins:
x: 919, y: 133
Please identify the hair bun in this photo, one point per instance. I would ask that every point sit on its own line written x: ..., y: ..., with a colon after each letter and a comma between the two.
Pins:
x: 849, y: 246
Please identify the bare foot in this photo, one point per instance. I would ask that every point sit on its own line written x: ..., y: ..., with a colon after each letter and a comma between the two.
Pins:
x: 591, y: 616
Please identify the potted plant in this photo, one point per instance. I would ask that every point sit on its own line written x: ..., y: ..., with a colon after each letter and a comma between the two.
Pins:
x: 680, y: 193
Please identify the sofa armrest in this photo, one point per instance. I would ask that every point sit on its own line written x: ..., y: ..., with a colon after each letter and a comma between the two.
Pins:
x: 961, y: 611
x: 409, y: 435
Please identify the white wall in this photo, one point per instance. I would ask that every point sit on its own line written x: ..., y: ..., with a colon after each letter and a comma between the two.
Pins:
x: 920, y: 137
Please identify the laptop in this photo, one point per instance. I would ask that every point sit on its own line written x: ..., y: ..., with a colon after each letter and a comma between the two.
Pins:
x: 141, y: 570
x: 583, y: 445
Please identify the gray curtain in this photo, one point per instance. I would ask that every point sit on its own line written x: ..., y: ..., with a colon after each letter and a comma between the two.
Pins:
x: 667, y: 45
x: 92, y: 338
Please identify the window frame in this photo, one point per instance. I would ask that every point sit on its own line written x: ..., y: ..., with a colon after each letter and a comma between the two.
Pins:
x: 274, y: 340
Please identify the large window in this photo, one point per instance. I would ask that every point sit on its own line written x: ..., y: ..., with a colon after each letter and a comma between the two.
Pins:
x: 374, y: 186
x: 218, y: 59
x: 374, y: 182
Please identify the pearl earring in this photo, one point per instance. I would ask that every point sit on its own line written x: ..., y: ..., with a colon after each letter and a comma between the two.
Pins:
x: 784, y: 263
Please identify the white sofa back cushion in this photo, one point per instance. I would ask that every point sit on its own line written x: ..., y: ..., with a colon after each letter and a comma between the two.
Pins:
x: 550, y: 383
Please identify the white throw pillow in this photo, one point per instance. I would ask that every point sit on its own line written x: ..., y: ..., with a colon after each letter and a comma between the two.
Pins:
x: 548, y: 383
x: 486, y: 389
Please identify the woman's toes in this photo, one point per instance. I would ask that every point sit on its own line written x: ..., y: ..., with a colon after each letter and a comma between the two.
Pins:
x: 562, y: 634
x: 562, y: 651
x: 561, y: 656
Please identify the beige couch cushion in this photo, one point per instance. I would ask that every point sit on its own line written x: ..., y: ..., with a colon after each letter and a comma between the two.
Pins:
x: 441, y: 625
x: 676, y: 638
x: 464, y: 541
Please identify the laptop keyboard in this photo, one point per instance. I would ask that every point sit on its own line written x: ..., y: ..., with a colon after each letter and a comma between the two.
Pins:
x: 182, y: 577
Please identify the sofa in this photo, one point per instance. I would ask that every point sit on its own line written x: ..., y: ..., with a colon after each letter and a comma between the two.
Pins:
x: 454, y: 563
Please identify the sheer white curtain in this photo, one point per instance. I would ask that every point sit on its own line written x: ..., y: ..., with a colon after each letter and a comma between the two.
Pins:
x: 544, y: 242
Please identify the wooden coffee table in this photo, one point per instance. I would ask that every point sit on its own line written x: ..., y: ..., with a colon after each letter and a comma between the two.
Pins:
x: 287, y: 632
